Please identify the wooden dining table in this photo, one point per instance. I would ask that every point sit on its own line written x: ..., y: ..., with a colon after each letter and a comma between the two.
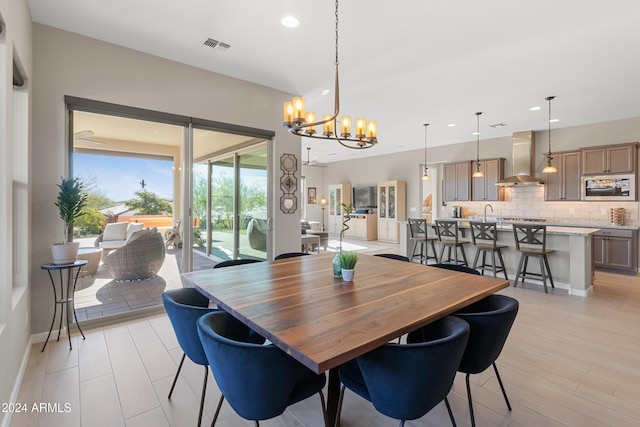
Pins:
x: 321, y: 321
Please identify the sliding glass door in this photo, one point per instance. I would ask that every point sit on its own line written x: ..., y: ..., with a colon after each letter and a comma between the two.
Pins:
x: 252, y: 204
x: 230, y: 198
x: 201, y: 184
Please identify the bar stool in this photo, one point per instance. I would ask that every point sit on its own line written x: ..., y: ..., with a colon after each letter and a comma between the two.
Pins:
x: 485, y: 238
x: 531, y: 241
x: 449, y: 238
x: 420, y: 236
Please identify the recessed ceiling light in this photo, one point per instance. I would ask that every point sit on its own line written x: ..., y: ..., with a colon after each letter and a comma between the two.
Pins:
x: 535, y: 108
x: 554, y: 120
x: 325, y: 92
x: 290, y: 22
x: 475, y: 133
x: 451, y: 125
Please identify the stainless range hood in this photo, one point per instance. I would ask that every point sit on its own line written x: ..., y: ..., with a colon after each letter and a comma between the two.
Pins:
x: 523, y: 152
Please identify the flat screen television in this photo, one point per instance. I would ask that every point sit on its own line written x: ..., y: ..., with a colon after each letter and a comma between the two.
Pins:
x: 365, y: 197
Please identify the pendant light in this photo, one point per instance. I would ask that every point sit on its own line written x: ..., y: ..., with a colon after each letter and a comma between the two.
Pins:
x: 478, y: 173
x: 425, y: 174
x: 549, y: 168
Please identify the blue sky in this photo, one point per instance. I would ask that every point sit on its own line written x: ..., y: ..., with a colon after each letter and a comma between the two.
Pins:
x: 119, y: 177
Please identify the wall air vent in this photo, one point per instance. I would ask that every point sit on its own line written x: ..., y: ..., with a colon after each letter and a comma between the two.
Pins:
x: 215, y: 44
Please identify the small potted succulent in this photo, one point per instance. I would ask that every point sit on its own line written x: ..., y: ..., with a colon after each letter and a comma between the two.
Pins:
x: 348, y: 262
x: 71, y: 202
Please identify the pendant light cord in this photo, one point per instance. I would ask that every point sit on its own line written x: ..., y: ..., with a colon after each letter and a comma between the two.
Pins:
x: 425, y: 145
x: 549, y: 99
x: 478, y: 141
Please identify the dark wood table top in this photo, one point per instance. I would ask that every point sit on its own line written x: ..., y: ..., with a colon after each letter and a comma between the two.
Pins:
x: 320, y: 320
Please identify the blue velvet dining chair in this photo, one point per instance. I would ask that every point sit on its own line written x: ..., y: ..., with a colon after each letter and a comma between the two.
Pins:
x: 394, y: 256
x: 258, y: 381
x: 184, y: 306
x: 232, y: 262
x: 490, y: 321
x: 291, y: 255
x: 456, y: 267
x: 406, y: 381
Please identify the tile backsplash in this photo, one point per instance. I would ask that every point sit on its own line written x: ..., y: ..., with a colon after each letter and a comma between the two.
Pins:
x: 529, y: 202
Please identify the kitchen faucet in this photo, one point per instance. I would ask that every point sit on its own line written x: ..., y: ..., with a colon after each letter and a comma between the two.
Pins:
x: 485, y: 211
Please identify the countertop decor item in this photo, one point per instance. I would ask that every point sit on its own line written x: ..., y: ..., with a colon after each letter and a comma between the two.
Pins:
x: 346, y: 217
x: 71, y: 202
x: 348, y: 262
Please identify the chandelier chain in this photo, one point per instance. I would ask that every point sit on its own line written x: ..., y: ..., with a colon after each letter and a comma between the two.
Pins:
x: 337, y: 20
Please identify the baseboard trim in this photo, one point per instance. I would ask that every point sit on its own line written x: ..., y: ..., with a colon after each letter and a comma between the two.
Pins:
x: 6, y: 422
x: 100, y: 322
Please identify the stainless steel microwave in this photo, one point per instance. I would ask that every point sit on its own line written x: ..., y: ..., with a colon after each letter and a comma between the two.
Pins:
x: 609, y: 187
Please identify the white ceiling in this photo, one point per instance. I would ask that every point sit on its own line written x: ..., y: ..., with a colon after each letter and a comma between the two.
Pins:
x: 402, y: 63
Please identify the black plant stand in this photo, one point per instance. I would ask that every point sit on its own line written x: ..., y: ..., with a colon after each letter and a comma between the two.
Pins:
x: 65, y: 271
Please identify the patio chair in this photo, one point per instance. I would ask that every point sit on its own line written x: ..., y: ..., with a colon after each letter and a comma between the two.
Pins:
x: 140, y: 258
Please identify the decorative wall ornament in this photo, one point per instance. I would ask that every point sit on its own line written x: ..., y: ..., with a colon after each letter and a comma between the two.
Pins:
x: 288, y: 183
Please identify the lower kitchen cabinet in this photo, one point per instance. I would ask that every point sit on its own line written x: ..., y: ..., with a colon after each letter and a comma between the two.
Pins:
x: 615, y: 249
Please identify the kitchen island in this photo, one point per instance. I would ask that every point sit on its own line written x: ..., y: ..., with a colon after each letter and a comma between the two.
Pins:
x: 571, y: 264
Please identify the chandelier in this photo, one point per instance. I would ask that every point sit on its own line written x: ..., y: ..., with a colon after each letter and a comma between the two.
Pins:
x: 300, y: 123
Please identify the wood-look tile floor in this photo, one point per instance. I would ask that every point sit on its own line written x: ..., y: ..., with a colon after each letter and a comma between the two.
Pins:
x: 569, y: 361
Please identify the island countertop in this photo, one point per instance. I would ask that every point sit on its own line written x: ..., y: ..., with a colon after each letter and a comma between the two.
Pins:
x: 556, y: 222
x: 563, y: 229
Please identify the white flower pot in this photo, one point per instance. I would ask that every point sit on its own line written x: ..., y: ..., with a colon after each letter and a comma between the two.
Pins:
x: 64, y: 253
x: 347, y: 275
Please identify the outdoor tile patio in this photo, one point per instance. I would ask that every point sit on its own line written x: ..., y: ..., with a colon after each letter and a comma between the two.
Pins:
x: 99, y: 295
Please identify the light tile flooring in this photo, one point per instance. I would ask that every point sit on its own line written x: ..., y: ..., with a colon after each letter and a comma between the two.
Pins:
x: 569, y: 361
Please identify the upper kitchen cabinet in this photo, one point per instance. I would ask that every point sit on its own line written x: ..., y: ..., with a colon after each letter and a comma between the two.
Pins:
x: 564, y: 184
x: 457, y: 181
x: 484, y: 187
x: 621, y: 158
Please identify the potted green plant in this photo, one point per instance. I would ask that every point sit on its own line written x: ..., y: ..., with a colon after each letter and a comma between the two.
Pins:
x: 348, y: 262
x: 346, y: 216
x: 71, y: 202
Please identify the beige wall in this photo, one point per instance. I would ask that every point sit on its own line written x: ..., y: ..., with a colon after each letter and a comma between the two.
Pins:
x: 68, y: 64
x: 15, y: 42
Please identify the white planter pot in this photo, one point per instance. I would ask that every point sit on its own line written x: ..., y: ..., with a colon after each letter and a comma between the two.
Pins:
x: 64, y: 253
x: 347, y: 275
